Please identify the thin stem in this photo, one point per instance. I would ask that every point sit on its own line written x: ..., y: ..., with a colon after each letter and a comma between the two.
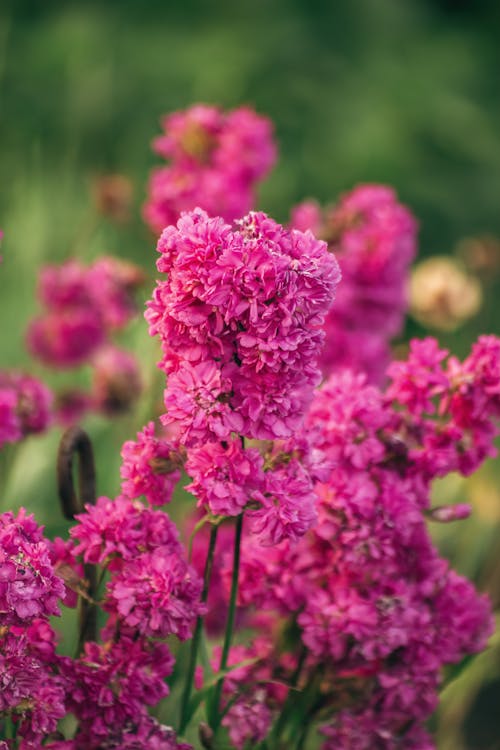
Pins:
x: 88, y: 608
x: 303, y: 735
x: 195, y: 643
x: 228, y: 636
x: 283, y: 717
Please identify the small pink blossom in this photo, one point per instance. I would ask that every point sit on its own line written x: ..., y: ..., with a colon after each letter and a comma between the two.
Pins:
x: 25, y: 406
x: 117, y: 530
x: 157, y: 594
x: 150, y: 467
x: 225, y: 479
x: 29, y: 587
x: 374, y: 239
x: 216, y: 159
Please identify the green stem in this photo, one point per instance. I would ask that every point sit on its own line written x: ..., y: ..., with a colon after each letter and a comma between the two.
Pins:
x: 291, y: 697
x: 195, y: 643
x: 8, y: 728
x: 303, y: 735
x: 228, y: 635
x: 88, y: 609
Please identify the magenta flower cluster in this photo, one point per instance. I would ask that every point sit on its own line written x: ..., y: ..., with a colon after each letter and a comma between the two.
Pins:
x: 32, y: 691
x: 374, y: 239
x: 150, y: 467
x: 216, y: 159
x: 152, y: 593
x: 240, y: 322
x: 378, y: 611
x: 84, y: 306
x: 25, y: 406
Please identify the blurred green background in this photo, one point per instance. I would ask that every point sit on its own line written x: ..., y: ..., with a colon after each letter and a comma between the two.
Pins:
x: 405, y: 92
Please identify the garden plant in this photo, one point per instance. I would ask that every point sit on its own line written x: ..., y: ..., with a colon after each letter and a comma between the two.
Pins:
x: 266, y: 577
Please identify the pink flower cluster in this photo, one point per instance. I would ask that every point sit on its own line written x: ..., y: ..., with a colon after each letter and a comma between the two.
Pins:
x: 28, y: 586
x: 276, y: 491
x: 153, y: 591
x: 216, y: 159
x: 25, y: 406
x: 150, y: 467
x: 364, y: 593
x: 461, y: 398
x: 83, y: 307
x: 32, y: 692
x: 240, y: 321
x: 374, y: 239
x: 112, y: 685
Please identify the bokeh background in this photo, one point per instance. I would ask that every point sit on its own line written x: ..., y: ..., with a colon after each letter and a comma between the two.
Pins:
x: 404, y: 92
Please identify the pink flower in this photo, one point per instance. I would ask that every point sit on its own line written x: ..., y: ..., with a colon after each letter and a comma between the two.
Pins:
x: 29, y: 587
x: 112, y: 283
x: 156, y: 594
x: 150, y: 467
x: 374, y: 239
x: 65, y: 338
x: 25, y: 406
x: 225, y: 479
x: 197, y: 400
x: 240, y: 320
x: 71, y: 406
x: 247, y: 722
x: 307, y: 215
x: 117, y: 530
x: 32, y: 690
x: 216, y: 160
x: 288, y: 504
x: 83, y: 305
x: 420, y: 378
x: 111, y: 683
x: 376, y: 608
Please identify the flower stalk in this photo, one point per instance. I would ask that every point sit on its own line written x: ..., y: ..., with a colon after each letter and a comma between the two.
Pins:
x: 229, y: 631
x: 193, y: 655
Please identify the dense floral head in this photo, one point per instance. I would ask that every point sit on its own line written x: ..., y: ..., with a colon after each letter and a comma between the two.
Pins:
x: 29, y: 587
x: 33, y: 692
x: 152, y: 588
x: 239, y: 141
x: 216, y: 159
x: 82, y: 306
x: 374, y: 239
x: 127, y: 674
x: 150, y: 467
x: 65, y: 338
x: 240, y: 319
x: 25, y: 406
x: 118, y: 530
